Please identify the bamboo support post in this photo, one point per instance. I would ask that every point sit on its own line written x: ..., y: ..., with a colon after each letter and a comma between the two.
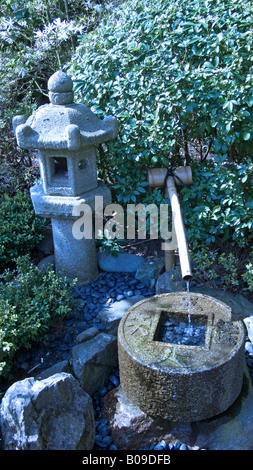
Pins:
x: 169, y: 248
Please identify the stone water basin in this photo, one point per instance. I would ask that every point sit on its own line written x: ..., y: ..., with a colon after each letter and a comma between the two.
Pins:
x: 190, y: 377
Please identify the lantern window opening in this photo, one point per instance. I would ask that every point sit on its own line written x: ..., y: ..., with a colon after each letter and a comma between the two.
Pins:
x: 59, y: 171
x: 82, y: 165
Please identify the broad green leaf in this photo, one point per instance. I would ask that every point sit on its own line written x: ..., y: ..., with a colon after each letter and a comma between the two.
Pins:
x: 229, y: 106
x: 246, y: 135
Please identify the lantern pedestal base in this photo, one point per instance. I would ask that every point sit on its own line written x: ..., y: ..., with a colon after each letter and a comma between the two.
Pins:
x: 75, y: 258
x: 75, y: 250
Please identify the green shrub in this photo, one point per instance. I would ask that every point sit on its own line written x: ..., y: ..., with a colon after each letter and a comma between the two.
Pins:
x: 174, y: 73
x: 28, y: 305
x: 217, y: 207
x: 20, y: 229
x: 229, y: 270
x: 248, y: 274
x: 218, y: 204
x: 110, y: 245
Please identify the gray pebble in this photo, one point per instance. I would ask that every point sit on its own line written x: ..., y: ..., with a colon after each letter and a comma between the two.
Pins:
x: 120, y: 297
x: 160, y: 446
x: 137, y: 292
x: 104, y: 430
x: 183, y: 447
x: 113, y: 447
x: 107, y: 441
x: 91, y: 306
x: 87, y: 317
x: 114, y: 380
x: 249, y: 347
x: 128, y: 293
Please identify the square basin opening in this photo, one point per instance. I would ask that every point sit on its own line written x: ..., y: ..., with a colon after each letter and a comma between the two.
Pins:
x: 179, y: 328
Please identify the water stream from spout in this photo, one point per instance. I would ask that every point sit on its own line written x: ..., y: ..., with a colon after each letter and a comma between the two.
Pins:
x: 188, y: 300
x: 189, y: 307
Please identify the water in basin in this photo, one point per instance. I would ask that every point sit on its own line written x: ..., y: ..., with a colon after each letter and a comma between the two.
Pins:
x: 176, y: 329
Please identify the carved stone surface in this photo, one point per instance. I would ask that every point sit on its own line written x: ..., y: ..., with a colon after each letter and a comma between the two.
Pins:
x: 175, y: 381
x: 67, y: 206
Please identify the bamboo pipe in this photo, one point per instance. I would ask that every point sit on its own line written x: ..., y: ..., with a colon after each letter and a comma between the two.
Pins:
x: 169, y: 259
x: 156, y: 178
x: 179, y: 229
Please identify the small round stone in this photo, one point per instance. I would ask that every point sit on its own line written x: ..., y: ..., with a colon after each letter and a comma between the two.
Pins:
x: 120, y: 297
x: 160, y: 446
x: 103, y: 429
x: 113, y: 447
x: 137, y: 292
x: 249, y: 347
x: 128, y: 293
x: 183, y: 447
x: 106, y: 442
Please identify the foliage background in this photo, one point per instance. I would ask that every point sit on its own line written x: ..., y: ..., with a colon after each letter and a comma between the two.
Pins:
x: 178, y: 76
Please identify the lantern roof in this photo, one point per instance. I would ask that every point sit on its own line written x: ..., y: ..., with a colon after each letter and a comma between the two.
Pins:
x: 63, y: 124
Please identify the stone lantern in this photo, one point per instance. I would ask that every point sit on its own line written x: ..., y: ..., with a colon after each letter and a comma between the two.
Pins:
x: 66, y: 134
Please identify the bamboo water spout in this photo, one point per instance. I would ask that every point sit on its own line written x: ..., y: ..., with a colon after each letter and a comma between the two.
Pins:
x: 158, y: 177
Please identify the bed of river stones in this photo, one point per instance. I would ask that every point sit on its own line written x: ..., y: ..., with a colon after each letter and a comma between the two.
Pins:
x: 107, y: 289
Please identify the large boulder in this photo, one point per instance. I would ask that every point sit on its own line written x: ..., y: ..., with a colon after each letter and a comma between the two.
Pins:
x: 170, y: 281
x: 132, y: 428
x: 51, y: 414
x: 241, y: 307
x: 150, y: 270
x: 92, y: 361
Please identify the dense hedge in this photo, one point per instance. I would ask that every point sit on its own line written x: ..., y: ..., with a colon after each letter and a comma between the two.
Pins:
x: 219, y: 204
x: 20, y: 229
x: 175, y: 73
